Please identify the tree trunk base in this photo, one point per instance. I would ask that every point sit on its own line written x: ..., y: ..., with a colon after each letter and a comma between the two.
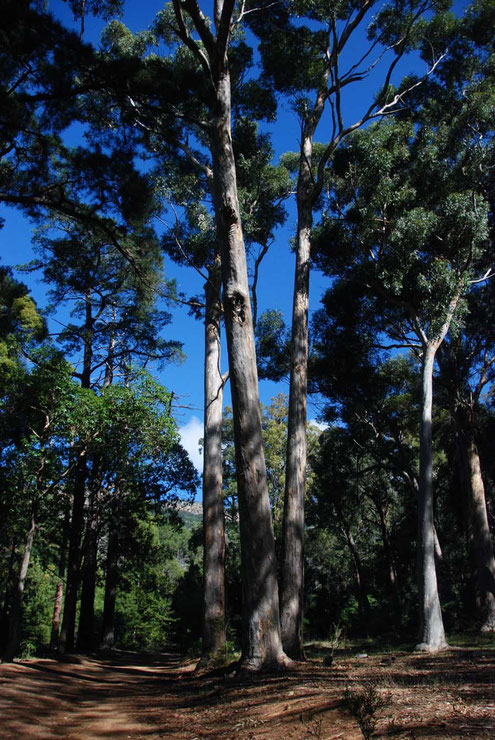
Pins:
x: 295, y: 652
x: 210, y: 662
x: 276, y: 665
x: 428, y: 647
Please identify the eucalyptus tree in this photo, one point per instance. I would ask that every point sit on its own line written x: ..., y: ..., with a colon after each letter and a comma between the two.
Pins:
x: 302, y: 48
x: 210, y: 48
x: 262, y: 188
x: 466, y: 371
x: 414, y: 223
x: 202, y: 62
x: 465, y: 88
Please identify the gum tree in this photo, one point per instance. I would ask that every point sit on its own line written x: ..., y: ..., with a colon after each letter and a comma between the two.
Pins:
x: 408, y: 225
x: 303, y: 48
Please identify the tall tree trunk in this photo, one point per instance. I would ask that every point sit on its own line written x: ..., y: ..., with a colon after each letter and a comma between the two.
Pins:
x: 213, y: 509
x: 262, y: 643
x: 432, y: 635
x: 66, y: 639
x: 261, y: 621
x: 15, y: 613
x: 59, y: 591
x: 111, y: 581
x: 292, y: 575
x: 484, y: 561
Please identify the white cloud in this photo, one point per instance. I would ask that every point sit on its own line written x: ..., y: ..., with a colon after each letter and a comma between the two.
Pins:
x: 190, y: 434
x: 319, y: 424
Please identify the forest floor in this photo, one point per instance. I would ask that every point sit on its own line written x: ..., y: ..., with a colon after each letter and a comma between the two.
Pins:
x: 447, y: 695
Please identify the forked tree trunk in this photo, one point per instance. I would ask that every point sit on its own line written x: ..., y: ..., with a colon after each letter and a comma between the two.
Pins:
x: 15, y: 613
x: 481, y: 542
x: 292, y: 572
x: 213, y: 509
x: 262, y: 643
x: 261, y: 621
x: 432, y: 635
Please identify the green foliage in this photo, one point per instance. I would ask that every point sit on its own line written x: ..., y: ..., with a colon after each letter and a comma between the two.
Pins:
x: 143, y: 605
x: 363, y: 703
x: 21, y: 324
x: 272, y: 345
x: 38, y: 610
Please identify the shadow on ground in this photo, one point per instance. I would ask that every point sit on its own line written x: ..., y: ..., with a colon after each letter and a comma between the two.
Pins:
x: 122, y: 695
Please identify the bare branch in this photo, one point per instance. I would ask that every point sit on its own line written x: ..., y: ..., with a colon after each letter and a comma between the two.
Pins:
x: 183, y: 34
x: 488, y: 274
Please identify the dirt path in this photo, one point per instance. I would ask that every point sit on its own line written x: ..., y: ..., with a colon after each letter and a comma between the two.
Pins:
x: 451, y: 695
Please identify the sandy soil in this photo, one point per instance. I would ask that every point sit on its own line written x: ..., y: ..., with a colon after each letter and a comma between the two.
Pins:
x: 449, y: 695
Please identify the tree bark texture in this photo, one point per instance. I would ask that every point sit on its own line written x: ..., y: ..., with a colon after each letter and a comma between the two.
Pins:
x: 292, y: 572
x: 261, y: 621
x: 481, y: 541
x: 15, y: 612
x: 432, y: 635
x: 213, y: 510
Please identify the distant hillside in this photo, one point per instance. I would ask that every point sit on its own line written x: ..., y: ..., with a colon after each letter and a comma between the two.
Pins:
x: 191, y: 514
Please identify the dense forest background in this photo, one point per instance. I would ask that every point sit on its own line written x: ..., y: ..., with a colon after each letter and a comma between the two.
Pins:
x: 112, y: 149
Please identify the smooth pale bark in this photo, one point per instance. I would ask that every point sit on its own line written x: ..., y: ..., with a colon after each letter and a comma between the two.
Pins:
x: 413, y: 484
x: 262, y: 643
x: 292, y: 572
x: 481, y: 541
x: 214, y: 638
x: 57, y: 613
x: 111, y: 581
x: 432, y: 635
x: 15, y: 613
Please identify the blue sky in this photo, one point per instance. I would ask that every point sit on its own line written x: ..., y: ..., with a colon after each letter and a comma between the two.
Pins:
x: 276, y: 279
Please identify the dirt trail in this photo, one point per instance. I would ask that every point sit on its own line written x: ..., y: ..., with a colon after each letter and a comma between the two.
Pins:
x: 450, y: 695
